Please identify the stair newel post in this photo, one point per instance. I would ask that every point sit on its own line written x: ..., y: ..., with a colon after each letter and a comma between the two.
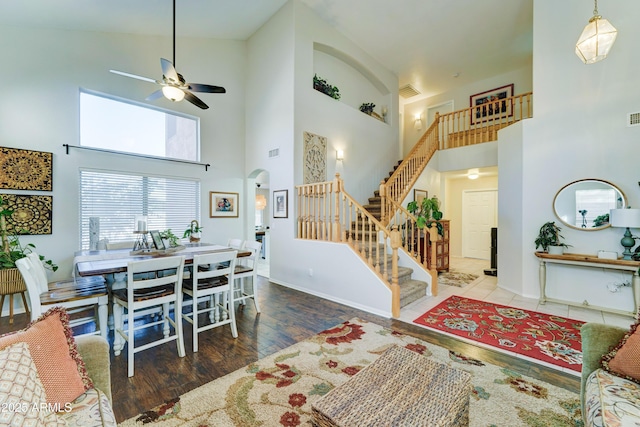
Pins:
x: 396, y: 241
x: 383, y: 203
x: 337, y: 232
x: 433, y: 236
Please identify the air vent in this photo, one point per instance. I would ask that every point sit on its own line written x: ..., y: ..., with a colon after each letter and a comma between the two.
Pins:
x: 274, y: 153
x: 407, y: 91
x: 633, y: 119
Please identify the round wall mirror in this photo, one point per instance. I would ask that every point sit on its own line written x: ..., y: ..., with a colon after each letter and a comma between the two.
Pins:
x: 585, y: 204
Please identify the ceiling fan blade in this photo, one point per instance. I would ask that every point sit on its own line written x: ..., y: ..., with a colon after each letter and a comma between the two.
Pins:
x: 146, y: 79
x: 155, y: 95
x: 198, y: 87
x: 194, y: 100
x: 168, y: 70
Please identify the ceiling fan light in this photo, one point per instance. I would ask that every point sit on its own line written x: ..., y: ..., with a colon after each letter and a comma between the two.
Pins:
x: 173, y: 93
x: 596, y: 40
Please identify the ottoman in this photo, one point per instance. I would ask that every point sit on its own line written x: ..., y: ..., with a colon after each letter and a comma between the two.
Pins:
x: 400, y: 388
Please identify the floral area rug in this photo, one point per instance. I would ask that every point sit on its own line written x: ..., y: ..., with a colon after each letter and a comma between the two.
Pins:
x: 455, y: 278
x: 543, y: 337
x: 280, y: 389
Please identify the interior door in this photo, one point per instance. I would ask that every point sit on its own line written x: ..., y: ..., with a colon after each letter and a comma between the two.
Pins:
x: 479, y: 215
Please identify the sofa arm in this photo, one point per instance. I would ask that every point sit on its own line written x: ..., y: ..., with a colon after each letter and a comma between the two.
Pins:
x: 94, y: 350
x: 597, y: 340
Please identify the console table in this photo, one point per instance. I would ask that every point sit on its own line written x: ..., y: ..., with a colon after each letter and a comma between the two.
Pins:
x: 590, y: 261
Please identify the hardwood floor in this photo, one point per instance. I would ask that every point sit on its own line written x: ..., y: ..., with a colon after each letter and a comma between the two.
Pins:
x: 288, y: 316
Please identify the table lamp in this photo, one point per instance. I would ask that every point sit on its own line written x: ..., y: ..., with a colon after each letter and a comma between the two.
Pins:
x: 625, y: 218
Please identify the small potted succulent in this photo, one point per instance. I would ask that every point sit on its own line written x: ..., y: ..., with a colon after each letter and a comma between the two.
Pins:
x: 549, y: 239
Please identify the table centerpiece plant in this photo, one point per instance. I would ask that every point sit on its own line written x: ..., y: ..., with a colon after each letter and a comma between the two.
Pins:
x: 193, y: 232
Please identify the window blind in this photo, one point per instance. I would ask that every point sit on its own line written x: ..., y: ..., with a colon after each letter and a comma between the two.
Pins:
x: 116, y: 198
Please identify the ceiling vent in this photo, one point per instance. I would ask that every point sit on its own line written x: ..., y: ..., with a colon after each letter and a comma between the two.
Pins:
x: 274, y: 153
x: 633, y: 119
x: 407, y: 91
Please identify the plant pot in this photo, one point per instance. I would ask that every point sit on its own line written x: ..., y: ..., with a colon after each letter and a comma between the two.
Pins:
x: 555, y: 250
x: 11, y: 282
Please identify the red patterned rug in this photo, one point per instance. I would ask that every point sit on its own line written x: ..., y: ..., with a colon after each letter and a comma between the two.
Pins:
x: 544, y: 337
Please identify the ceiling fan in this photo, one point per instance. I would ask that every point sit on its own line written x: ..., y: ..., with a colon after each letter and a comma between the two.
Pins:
x: 174, y: 87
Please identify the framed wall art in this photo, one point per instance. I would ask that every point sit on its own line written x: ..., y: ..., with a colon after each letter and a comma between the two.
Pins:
x: 281, y: 204
x: 26, y: 169
x: 315, y: 158
x: 419, y: 195
x: 31, y: 214
x: 223, y: 205
x: 492, y: 104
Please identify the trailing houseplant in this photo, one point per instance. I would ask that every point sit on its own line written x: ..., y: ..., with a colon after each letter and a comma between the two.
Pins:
x: 549, y: 238
x: 168, y: 235
x: 321, y: 85
x: 193, y: 232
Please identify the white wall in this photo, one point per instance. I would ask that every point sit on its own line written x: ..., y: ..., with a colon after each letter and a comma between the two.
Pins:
x: 578, y: 131
x: 43, y: 72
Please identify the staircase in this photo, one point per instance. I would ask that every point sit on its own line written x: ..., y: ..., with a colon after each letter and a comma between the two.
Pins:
x: 326, y: 212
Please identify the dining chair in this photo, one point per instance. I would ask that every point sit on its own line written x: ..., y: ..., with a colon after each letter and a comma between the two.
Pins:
x: 235, y: 243
x: 210, y: 283
x: 77, y: 297
x: 247, y: 268
x: 160, y: 285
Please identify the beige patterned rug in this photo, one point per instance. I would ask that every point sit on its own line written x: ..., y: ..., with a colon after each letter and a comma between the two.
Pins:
x: 455, y: 278
x: 279, y: 390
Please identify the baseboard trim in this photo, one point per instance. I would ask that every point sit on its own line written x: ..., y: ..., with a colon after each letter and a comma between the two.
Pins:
x: 385, y: 314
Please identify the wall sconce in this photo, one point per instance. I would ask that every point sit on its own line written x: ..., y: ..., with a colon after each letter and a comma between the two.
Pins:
x: 417, y: 124
x: 596, y: 39
x: 473, y: 173
x: 339, y: 155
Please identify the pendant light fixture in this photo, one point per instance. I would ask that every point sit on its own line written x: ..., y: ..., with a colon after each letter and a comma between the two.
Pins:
x: 596, y: 39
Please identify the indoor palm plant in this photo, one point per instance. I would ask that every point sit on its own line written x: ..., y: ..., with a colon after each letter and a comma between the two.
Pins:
x: 549, y: 239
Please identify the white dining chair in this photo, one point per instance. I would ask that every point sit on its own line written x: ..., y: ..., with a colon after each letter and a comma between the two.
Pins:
x: 159, y: 285
x: 211, y: 285
x: 77, y: 297
x: 235, y: 243
x: 247, y: 268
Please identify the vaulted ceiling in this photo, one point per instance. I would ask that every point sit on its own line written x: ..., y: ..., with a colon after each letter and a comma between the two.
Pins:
x: 434, y: 45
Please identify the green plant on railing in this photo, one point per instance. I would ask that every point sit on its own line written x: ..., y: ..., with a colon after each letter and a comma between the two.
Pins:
x: 367, y: 108
x: 427, y: 213
x: 321, y: 85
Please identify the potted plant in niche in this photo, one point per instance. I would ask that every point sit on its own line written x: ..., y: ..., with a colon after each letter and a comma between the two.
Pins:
x: 12, y: 250
x: 193, y: 232
x: 549, y: 239
x: 321, y: 85
x: 367, y: 108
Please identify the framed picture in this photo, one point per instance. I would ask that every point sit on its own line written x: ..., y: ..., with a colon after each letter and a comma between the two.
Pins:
x: 223, y: 205
x: 492, y: 104
x: 281, y: 204
x: 26, y: 169
x: 419, y: 195
x: 157, y: 240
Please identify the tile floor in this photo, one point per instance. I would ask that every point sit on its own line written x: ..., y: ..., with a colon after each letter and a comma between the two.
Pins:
x: 485, y: 288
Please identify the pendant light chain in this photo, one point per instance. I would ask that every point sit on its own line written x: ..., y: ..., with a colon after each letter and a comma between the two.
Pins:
x: 595, y: 10
x: 174, y: 32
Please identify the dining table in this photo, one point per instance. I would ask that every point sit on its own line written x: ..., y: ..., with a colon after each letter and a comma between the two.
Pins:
x: 105, y: 262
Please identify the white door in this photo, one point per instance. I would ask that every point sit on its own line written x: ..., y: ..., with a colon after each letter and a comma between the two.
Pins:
x: 479, y: 215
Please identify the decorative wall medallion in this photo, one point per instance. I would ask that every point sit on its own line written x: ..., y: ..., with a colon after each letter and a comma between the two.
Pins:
x: 315, y: 158
x: 26, y: 169
x: 31, y: 214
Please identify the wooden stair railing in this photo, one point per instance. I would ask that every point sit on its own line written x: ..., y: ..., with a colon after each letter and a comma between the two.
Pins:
x: 328, y: 213
x: 413, y: 245
x: 457, y: 129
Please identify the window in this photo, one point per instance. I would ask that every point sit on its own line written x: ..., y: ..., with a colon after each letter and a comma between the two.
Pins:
x: 592, y: 203
x: 118, y: 125
x: 116, y: 198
